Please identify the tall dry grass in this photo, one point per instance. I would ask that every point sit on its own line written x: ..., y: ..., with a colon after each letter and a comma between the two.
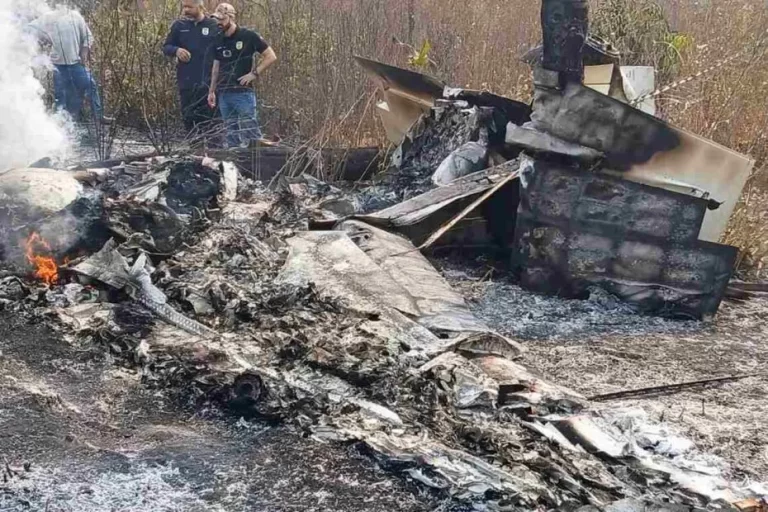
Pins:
x: 316, y: 88
x: 730, y: 106
x: 137, y: 79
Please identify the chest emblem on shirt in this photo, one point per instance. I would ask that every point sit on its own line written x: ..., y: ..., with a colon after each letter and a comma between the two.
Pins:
x: 239, y: 45
x: 226, y: 54
x: 206, y: 30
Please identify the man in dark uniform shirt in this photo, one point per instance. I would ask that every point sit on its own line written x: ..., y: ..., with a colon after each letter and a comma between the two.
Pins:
x: 240, y: 57
x: 190, y: 41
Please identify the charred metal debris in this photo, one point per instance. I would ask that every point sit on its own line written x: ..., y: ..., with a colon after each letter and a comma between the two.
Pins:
x: 309, y: 302
x: 604, y: 194
x: 217, y: 289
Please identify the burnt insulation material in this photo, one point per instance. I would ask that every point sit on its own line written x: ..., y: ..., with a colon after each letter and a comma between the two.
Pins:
x: 444, y: 130
x: 191, y: 186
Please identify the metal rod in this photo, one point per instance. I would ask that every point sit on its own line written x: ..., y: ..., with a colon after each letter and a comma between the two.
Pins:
x: 670, y: 388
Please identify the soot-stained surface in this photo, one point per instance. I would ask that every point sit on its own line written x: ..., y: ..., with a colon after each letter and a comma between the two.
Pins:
x: 80, y: 433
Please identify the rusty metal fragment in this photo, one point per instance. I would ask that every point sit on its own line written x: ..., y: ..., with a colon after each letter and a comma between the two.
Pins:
x: 752, y: 505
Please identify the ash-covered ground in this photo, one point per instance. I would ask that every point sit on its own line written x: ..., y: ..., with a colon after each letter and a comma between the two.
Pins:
x: 80, y: 433
x: 602, y: 345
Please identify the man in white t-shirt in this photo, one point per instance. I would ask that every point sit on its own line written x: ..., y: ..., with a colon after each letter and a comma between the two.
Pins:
x: 70, y: 40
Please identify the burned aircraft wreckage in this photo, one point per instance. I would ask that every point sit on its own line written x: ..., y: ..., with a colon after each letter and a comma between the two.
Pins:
x: 606, y: 195
x: 311, y: 304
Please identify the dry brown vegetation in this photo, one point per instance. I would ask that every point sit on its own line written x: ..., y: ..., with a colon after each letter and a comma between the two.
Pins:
x: 317, y: 88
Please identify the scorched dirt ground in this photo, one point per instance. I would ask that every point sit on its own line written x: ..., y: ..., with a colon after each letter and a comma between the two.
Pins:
x: 80, y: 434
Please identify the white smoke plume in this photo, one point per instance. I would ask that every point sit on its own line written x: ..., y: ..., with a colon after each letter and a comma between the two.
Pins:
x: 28, y: 132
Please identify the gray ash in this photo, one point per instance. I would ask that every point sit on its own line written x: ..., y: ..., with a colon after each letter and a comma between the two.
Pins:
x: 524, y: 315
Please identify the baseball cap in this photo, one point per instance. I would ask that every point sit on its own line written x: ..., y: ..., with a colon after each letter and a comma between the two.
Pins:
x: 224, y: 9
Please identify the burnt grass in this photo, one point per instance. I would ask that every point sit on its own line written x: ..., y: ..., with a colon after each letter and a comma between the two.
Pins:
x: 78, y: 432
x: 601, y: 345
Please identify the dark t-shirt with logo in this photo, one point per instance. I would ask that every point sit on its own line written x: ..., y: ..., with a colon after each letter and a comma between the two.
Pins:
x: 197, y: 37
x: 235, y: 55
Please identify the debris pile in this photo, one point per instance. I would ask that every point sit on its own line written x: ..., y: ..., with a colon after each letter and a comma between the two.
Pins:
x: 604, y: 194
x: 217, y: 288
x: 312, y: 304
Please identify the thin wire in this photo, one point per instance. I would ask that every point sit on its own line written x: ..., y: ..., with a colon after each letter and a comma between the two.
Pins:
x: 706, y: 71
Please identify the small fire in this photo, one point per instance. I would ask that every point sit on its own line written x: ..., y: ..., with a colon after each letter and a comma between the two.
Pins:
x: 38, y: 254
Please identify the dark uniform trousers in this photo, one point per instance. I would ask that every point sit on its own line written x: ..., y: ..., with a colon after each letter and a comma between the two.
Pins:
x: 198, y: 117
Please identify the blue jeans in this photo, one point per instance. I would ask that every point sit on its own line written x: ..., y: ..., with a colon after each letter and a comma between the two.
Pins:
x: 238, y: 109
x: 70, y: 85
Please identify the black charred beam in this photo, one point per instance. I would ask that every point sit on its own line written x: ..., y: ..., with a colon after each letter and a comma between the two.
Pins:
x: 565, y: 25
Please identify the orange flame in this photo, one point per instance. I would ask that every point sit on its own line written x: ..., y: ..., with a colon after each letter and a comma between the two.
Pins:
x: 45, y: 266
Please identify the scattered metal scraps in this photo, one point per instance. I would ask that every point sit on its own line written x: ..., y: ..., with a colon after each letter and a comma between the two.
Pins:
x: 351, y: 334
x: 111, y: 268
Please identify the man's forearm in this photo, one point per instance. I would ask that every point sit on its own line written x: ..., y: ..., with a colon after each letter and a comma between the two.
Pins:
x: 170, y: 50
x: 214, y: 76
x: 85, y: 55
x: 262, y: 64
